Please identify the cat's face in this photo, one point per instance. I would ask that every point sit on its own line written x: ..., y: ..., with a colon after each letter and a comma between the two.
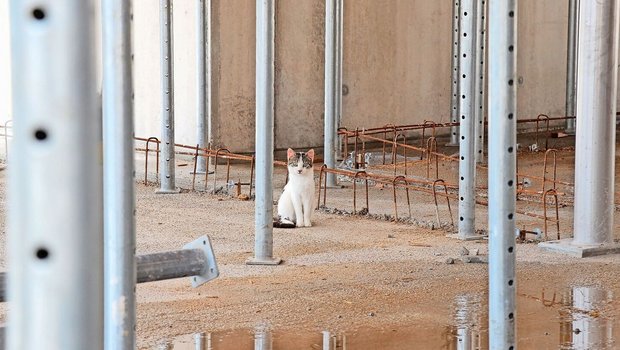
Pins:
x: 300, y: 163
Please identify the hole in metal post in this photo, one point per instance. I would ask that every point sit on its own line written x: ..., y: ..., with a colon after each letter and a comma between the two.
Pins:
x: 42, y: 253
x: 38, y: 14
x: 40, y: 134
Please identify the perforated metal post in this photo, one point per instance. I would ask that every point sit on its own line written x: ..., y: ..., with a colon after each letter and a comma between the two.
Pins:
x: 118, y: 180
x: 596, y: 128
x: 55, y: 226
x: 467, y: 111
x: 167, y: 174
x: 454, y: 105
x: 329, y: 144
x: 265, y: 43
x: 571, y: 65
x: 481, y: 42
x: 502, y: 172
x: 203, y: 80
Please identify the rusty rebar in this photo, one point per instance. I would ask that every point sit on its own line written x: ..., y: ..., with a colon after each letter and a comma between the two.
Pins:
x: 252, y: 175
x: 551, y: 150
x: 323, y: 170
x: 195, y: 165
x: 546, y: 119
x: 217, y: 155
x: 355, y: 190
x: 557, y: 213
x: 146, y: 158
x: 394, y: 183
x: 431, y: 147
x: 445, y: 188
x: 395, y: 151
x: 424, y: 126
x: 345, y: 141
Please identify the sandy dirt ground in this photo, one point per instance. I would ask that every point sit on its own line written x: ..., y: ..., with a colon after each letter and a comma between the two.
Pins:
x: 352, y: 274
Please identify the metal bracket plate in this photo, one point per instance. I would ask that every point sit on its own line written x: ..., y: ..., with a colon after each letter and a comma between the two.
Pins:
x: 212, y: 271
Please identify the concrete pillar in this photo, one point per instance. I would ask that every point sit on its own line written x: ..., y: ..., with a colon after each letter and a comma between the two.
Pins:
x: 329, y: 144
x: 596, y: 136
x: 166, y: 159
x: 55, y: 232
x: 265, y: 43
x: 118, y: 177
x: 502, y: 172
x: 571, y: 64
x: 595, y: 141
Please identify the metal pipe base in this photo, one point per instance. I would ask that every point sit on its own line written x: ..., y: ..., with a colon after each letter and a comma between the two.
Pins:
x: 467, y: 238
x: 263, y: 261
x: 175, y: 191
x: 566, y: 246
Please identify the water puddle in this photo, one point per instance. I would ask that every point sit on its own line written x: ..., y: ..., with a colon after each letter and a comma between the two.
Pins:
x: 576, y: 318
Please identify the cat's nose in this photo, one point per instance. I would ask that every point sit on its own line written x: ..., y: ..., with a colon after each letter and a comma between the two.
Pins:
x: 298, y: 171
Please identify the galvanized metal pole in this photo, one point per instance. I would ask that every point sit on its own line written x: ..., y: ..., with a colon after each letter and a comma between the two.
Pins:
x: 502, y: 172
x: 454, y: 102
x: 329, y: 144
x: 55, y: 256
x: 480, y: 78
x: 203, y: 70
x: 167, y: 174
x: 338, y: 72
x: 265, y: 43
x: 118, y: 178
x: 467, y: 111
x: 571, y: 65
x: 596, y: 128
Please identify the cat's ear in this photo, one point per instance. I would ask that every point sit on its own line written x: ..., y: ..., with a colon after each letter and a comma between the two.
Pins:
x: 310, y: 154
x: 290, y: 153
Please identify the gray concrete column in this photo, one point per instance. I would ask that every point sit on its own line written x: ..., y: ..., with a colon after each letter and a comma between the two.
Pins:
x: 55, y: 201
x: 502, y: 172
x: 166, y: 158
x: 118, y: 177
x: 595, y: 141
x: 571, y: 64
x: 596, y: 128
x: 265, y: 44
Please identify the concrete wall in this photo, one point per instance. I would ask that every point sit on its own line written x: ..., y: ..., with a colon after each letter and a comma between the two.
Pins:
x: 396, y: 66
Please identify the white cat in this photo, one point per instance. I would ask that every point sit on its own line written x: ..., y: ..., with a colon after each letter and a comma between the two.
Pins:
x: 295, y: 206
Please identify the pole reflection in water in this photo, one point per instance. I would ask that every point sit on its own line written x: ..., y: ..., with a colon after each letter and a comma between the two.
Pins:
x: 583, y: 325
x: 262, y: 338
x: 467, y: 334
x: 202, y: 341
x: 334, y: 341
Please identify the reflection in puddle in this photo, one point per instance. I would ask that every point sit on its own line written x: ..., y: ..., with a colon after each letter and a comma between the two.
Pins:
x: 581, y: 318
x: 584, y: 323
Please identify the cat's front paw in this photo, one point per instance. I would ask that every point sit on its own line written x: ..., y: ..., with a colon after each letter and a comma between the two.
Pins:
x: 308, y: 224
x: 299, y: 224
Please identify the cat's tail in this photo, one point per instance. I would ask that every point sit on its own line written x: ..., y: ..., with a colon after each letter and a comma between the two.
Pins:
x: 283, y: 223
